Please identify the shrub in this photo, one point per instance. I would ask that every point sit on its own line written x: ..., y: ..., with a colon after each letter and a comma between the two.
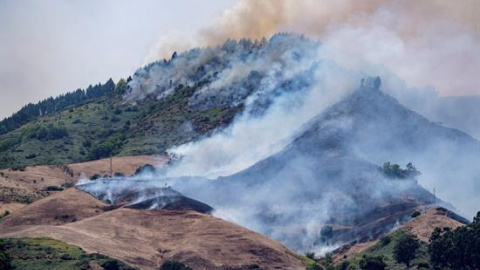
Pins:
x: 18, y: 167
x: 310, y: 255
x: 110, y: 265
x: 67, y: 185
x: 385, y: 240
x: 456, y: 249
x: 53, y: 188
x: 405, y: 249
x: 423, y: 265
x: 314, y: 267
x: 174, y: 265
x: 6, y: 213
x: 107, y: 148
x: 46, y: 133
x: 5, y: 259
x: 87, y: 143
x: 394, y: 171
x: 415, y: 214
x: 30, y: 156
x: 95, y: 176
x: 114, y: 119
x: 342, y: 266
x: 372, y: 263
x: 65, y: 257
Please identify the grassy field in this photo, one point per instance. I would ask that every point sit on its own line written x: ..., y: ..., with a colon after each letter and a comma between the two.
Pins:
x: 47, y: 253
x: 108, y: 127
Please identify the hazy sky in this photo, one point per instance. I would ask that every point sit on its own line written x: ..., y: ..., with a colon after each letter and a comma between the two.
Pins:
x: 51, y: 47
x: 55, y: 46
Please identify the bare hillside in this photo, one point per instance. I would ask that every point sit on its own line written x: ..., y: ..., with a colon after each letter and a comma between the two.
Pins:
x: 67, y: 206
x: 146, y: 238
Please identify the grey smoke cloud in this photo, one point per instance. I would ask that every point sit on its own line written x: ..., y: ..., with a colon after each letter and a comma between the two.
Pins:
x: 425, y: 43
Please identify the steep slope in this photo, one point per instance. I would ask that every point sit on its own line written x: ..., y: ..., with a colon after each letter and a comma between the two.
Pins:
x: 378, y: 128
x: 325, y: 188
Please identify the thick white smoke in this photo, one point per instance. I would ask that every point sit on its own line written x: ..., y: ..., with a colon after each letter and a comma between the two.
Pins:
x: 252, y: 138
x: 409, y: 44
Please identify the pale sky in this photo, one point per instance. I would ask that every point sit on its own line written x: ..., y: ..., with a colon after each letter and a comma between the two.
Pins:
x: 51, y: 47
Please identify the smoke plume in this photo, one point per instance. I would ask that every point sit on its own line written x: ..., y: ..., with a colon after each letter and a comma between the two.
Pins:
x: 424, y: 42
x: 268, y: 181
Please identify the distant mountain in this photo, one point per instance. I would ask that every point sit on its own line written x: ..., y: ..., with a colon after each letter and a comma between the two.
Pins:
x: 328, y: 186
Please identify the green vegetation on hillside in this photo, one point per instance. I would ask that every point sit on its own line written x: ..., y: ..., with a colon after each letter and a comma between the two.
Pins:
x: 447, y: 249
x: 103, y: 125
x: 456, y: 249
x: 47, y: 253
x: 53, y: 105
x: 385, y: 249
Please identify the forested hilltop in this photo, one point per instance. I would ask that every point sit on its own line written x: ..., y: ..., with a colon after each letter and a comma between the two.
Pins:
x: 165, y: 103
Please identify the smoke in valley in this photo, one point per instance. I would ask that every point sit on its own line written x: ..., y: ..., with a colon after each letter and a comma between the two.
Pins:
x: 306, y: 150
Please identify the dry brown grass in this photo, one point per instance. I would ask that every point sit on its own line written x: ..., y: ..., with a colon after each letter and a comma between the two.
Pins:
x: 146, y: 238
x: 423, y: 225
x: 27, y: 185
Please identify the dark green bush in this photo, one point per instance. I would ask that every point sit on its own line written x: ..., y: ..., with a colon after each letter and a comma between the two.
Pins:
x: 385, y: 240
x: 110, y: 265
x: 405, y: 249
x: 372, y: 263
x: 415, y: 214
x: 46, y: 133
x: 174, y: 265
x: 314, y: 267
x: 6, y: 213
x: 456, y: 249
x: 53, y: 188
x: 310, y: 255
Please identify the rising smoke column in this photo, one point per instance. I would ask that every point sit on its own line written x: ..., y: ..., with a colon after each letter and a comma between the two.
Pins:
x: 424, y: 42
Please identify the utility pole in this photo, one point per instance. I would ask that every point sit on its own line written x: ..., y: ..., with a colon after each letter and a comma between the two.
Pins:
x: 111, y: 166
x: 434, y: 198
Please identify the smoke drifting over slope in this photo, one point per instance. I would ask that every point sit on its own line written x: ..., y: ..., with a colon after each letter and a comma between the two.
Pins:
x: 327, y: 174
x: 423, y: 42
x: 282, y: 83
x: 279, y: 172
